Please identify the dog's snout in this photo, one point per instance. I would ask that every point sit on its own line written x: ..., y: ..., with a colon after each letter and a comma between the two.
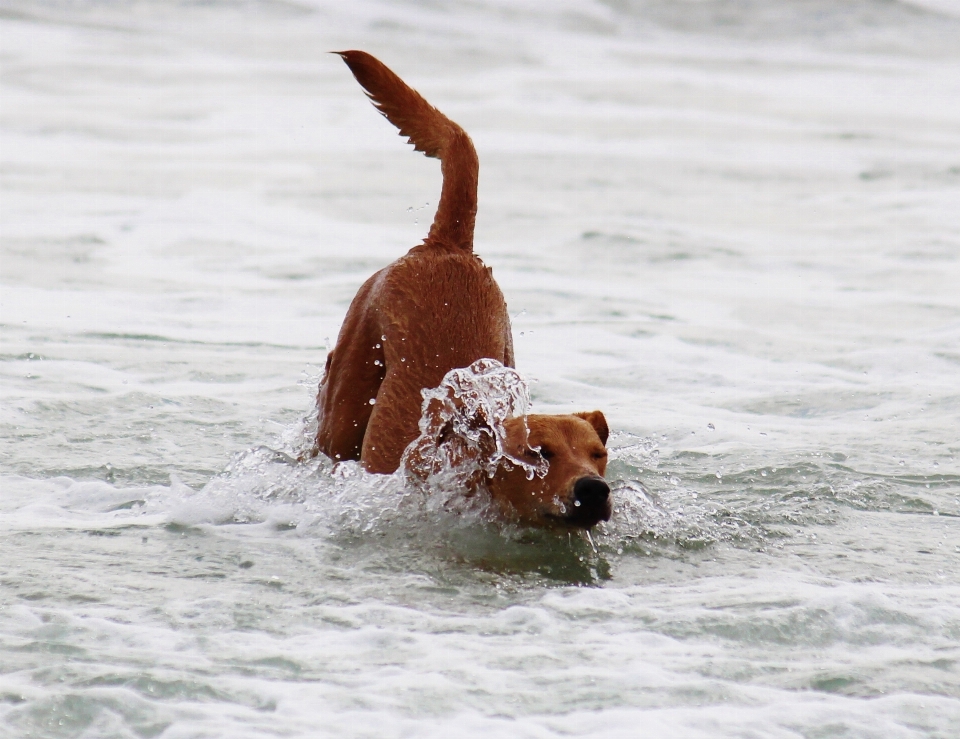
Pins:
x: 591, y: 491
x: 591, y: 500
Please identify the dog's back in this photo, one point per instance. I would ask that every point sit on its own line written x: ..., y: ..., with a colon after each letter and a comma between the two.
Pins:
x: 434, y: 309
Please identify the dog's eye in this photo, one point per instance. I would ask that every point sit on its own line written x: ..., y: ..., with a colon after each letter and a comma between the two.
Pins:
x: 546, y: 453
x: 599, y: 454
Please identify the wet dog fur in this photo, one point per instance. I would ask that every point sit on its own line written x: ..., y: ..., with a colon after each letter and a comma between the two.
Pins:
x: 435, y: 309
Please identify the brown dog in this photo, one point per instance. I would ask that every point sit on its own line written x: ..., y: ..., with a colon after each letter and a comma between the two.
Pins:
x: 435, y: 309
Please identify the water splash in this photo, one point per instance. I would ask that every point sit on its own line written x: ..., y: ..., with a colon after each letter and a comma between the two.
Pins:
x: 440, y: 484
x: 462, y: 438
x: 462, y: 443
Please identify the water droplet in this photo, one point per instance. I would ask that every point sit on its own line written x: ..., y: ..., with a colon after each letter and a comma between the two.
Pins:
x: 372, y: 401
x: 383, y: 338
x: 763, y: 473
x: 711, y: 427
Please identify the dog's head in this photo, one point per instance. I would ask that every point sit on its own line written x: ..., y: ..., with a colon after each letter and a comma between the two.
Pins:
x: 573, y: 492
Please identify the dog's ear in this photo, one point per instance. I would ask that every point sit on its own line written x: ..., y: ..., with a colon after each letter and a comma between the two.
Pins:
x: 599, y: 423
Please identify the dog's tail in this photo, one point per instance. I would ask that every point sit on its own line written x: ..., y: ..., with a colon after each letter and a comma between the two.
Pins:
x: 431, y: 132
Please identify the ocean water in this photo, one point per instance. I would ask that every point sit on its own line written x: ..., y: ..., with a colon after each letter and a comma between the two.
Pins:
x: 732, y: 225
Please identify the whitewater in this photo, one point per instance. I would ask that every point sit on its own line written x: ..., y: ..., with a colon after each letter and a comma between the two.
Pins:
x: 731, y: 225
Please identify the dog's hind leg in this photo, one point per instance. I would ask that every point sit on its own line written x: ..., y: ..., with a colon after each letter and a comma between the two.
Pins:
x: 354, y: 373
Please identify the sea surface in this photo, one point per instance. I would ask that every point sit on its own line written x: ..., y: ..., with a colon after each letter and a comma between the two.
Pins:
x: 731, y: 225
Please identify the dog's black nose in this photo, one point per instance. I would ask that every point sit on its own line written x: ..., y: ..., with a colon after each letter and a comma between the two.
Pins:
x: 591, y: 492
